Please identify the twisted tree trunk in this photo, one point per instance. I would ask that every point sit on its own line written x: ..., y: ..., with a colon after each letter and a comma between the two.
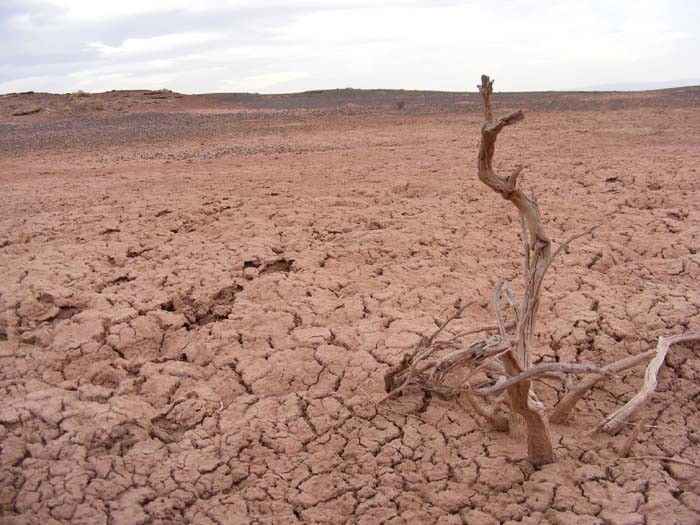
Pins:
x: 527, y: 413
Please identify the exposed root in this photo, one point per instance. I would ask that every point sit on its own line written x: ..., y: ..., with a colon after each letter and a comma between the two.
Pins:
x: 561, y: 411
x: 616, y: 421
x: 497, y: 421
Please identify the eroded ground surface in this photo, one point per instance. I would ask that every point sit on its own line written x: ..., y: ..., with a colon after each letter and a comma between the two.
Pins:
x: 194, y: 329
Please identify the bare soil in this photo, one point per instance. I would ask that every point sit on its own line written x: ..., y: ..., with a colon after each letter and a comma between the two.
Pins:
x: 199, y: 298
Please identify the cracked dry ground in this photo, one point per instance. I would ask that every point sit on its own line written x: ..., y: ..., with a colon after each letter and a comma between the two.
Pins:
x: 202, y: 340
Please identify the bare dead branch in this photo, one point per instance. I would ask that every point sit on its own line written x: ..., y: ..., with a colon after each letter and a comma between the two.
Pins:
x: 494, y: 127
x: 473, y: 355
x: 485, y: 364
x: 562, y: 410
x: 486, y: 328
x: 568, y: 241
x: 540, y: 370
x: 614, y: 422
x: 497, y: 310
x: 486, y: 89
x: 424, y: 343
x: 423, y: 348
x: 526, y: 248
x: 511, y: 300
x: 395, y: 391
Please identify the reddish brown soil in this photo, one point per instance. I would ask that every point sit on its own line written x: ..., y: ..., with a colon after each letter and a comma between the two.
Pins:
x: 197, y: 306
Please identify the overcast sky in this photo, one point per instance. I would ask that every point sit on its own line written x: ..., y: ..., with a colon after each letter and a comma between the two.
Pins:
x: 273, y: 46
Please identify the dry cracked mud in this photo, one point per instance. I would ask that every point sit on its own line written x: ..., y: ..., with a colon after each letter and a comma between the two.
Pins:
x: 194, y: 328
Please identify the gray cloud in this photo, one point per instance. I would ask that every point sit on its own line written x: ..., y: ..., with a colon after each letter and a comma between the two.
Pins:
x: 281, y: 46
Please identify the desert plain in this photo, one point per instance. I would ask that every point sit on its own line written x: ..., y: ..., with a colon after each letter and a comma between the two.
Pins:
x: 200, y: 295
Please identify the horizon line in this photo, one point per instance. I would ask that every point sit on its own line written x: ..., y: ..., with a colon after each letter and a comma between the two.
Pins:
x: 593, y: 89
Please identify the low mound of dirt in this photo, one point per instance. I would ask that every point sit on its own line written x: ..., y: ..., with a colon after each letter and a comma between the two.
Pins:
x: 17, y: 107
x: 196, y: 313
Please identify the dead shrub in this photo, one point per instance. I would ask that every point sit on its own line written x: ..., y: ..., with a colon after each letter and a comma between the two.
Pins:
x: 495, y: 374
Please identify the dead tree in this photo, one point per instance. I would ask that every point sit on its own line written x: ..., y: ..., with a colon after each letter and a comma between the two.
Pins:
x: 499, y: 369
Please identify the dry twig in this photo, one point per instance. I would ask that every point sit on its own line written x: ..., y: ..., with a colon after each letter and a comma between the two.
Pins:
x: 487, y: 328
x: 627, y: 445
x: 568, y: 241
x: 423, y: 348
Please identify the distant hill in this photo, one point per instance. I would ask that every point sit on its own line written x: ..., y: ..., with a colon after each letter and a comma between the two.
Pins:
x: 644, y: 86
x: 461, y: 102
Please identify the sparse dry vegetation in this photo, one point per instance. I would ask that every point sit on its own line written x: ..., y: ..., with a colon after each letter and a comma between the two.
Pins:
x: 94, y: 104
x: 82, y: 102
